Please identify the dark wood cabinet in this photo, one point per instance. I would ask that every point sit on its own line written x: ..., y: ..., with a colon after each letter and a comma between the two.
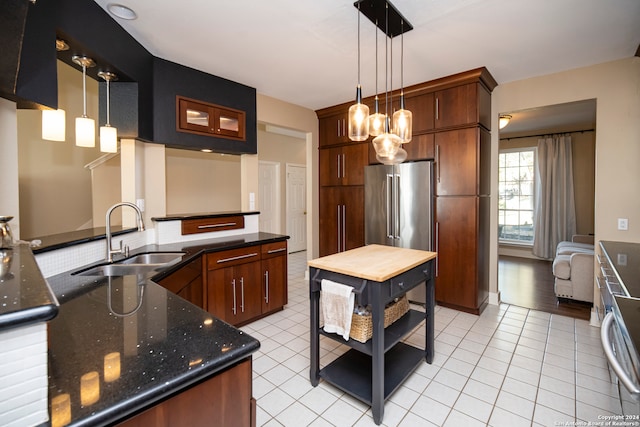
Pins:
x: 462, y: 163
x: 222, y: 400
x: 247, y: 283
x: 187, y: 283
x: 341, y: 219
x: 343, y: 165
x: 334, y: 129
x: 209, y: 119
x: 274, y: 276
x: 462, y: 245
x: 463, y: 105
x: 422, y: 111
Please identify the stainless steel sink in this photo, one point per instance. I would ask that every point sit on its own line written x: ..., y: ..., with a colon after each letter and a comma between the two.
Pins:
x: 155, y: 258
x: 140, y: 264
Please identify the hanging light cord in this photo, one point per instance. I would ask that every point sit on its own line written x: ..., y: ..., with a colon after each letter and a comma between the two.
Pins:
x: 402, y: 61
x: 84, y: 90
x: 358, y: 44
x: 108, y: 95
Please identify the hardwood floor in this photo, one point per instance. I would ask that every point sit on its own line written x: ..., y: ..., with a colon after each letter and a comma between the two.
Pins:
x: 529, y: 283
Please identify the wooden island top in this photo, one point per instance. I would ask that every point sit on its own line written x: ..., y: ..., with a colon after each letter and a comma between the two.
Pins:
x: 373, y: 262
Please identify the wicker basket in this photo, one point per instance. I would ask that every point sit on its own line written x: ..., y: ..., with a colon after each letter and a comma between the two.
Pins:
x: 362, y: 325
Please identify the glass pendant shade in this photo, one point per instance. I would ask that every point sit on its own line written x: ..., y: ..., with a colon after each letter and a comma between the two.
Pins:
x: 394, y: 159
x: 358, y: 119
x: 85, y: 132
x: 386, y: 144
x: 376, y: 121
x: 403, y: 122
x: 108, y: 139
x: 53, y: 125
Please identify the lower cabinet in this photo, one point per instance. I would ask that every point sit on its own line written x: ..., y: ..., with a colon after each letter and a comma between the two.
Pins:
x: 187, y: 283
x: 222, y: 400
x: 236, y: 285
x: 247, y: 283
x: 462, y: 244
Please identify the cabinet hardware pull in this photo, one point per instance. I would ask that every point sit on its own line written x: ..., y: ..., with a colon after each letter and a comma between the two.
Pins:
x: 338, y: 159
x: 344, y: 162
x: 339, y: 226
x: 338, y: 128
x: 344, y: 125
x: 266, y: 279
x: 344, y: 227
x: 273, y: 251
x: 242, y: 294
x: 438, y: 162
x: 220, y: 261
x: 226, y: 224
x: 437, y: 108
x: 233, y: 282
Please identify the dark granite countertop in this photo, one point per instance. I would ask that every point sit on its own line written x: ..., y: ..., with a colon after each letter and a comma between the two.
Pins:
x: 64, y: 240
x: 180, y: 217
x: 164, y: 343
x: 25, y: 297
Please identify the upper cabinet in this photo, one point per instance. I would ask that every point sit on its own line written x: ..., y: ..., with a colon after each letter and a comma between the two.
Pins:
x: 210, y: 119
x: 463, y: 105
x: 196, y: 110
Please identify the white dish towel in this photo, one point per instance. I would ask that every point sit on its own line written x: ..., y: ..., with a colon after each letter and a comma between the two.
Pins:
x: 336, y: 304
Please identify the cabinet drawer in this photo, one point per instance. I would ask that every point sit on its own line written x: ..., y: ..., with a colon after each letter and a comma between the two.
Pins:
x: 206, y: 225
x: 398, y: 288
x: 233, y: 257
x: 270, y: 250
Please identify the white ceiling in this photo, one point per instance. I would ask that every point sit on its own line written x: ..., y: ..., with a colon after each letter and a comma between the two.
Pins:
x: 305, y: 52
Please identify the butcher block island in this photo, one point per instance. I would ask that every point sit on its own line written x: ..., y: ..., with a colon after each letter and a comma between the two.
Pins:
x: 379, y: 275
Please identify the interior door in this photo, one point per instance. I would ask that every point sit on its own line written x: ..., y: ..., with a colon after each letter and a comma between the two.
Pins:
x: 297, y: 207
x: 269, y: 196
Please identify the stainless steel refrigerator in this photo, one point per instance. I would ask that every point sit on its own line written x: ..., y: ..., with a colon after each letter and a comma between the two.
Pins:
x: 398, y: 207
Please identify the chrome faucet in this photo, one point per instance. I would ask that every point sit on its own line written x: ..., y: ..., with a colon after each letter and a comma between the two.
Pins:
x: 122, y: 250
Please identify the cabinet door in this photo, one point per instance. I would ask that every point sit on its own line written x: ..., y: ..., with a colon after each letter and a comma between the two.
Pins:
x: 457, y: 162
x: 331, y: 168
x: 333, y: 129
x: 421, y: 107
x: 248, y: 292
x: 274, y: 283
x: 456, y: 245
x: 330, y: 233
x: 218, y: 304
x: 352, y: 199
x: 341, y: 219
x: 187, y: 283
x: 456, y: 106
x: 354, y: 159
x: 421, y: 147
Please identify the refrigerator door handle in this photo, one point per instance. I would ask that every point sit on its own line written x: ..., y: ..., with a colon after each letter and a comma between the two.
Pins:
x: 389, y: 216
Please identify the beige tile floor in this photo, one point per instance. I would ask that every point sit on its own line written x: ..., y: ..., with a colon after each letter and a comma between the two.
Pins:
x: 510, y: 366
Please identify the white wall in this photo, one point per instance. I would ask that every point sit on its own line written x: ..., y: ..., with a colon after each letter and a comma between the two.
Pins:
x: 616, y: 88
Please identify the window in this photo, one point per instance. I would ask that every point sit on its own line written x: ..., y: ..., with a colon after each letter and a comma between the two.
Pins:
x: 515, y: 208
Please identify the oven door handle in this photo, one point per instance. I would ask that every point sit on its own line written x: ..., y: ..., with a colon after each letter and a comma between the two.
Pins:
x: 605, y: 329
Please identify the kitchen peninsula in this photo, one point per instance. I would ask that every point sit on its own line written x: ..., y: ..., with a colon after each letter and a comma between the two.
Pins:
x: 126, y: 350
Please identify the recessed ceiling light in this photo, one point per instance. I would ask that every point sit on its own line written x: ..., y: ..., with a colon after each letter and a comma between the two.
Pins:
x: 121, y: 11
x: 206, y: 150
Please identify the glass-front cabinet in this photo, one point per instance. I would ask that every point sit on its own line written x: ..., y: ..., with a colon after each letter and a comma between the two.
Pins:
x: 209, y: 119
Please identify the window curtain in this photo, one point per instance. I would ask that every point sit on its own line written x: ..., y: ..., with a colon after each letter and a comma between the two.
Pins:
x: 555, y: 210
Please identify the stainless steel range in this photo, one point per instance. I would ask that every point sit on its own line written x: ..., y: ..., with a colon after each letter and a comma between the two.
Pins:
x: 619, y: 283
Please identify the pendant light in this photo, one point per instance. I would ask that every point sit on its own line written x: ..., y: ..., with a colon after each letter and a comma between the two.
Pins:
x: 108, y: 134
x: 402, y: 119
x: 358, y: 112
x: 53, y: 125
x: 85, y: 126
x: 386, y: 144
x: 376, y: 120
